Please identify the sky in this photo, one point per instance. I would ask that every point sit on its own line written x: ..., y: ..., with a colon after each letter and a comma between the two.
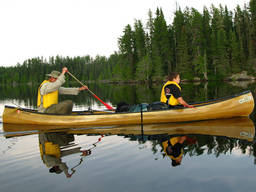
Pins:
x: 44, y: 28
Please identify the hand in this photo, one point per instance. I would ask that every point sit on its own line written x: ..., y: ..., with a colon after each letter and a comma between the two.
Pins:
x: 86, y: 152
x: 189, y: 106
x: 64, y: 70
x: 68, y: 175
x: 83, y: 88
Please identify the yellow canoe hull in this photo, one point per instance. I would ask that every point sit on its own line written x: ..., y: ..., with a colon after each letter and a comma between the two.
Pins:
x: 235, y: 106
x: 240, y: 128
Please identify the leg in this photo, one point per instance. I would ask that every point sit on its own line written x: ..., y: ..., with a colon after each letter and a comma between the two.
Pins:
x: 62, y: 108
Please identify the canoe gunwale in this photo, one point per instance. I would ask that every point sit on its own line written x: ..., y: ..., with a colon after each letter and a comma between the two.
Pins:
x: 197, y: 104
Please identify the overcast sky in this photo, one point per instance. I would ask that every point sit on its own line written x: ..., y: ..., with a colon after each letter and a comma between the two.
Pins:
x: 32, y: 28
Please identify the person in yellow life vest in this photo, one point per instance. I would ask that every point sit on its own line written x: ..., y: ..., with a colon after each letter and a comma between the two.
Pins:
x: 173, y: 147
x: 171, y: 92
x: 49, y: 90
x: 55, y: 145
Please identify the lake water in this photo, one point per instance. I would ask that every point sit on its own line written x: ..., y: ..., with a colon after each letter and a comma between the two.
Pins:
x: 218, y: 155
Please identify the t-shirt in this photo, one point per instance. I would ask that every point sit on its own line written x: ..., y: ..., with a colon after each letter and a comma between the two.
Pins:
x: 176, y: 149
x: 174, y: 90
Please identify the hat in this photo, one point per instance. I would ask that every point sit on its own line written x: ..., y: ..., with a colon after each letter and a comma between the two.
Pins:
x: 54, y: 74
x: 55, y: 169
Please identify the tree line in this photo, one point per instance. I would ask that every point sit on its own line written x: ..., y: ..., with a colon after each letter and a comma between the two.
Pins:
x: 210, y: 45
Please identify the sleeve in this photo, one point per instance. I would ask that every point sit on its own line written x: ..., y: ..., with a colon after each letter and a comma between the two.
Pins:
x: 63, y: 167
x: 68, y: 91
x: 175, y: 91
x: 70, y: 151
x: 50, y: 87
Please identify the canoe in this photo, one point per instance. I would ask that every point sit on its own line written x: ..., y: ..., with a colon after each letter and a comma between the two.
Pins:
x: 239, y: 128
x: 238, y: 105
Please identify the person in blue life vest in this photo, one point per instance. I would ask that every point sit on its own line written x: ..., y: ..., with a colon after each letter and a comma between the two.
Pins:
x: 171, y: 92
x: 49, y: 90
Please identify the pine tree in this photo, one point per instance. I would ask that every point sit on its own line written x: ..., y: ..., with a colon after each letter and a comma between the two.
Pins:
x: 252, y: 9
x: 128, y: 51
x: 197, y: 43
x: 160, y: 46
x: 206, y: 41
x: 181, y: 25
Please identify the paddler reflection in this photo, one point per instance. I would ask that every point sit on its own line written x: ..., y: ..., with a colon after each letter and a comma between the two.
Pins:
x: 54, y: 146
x: 173, y: 147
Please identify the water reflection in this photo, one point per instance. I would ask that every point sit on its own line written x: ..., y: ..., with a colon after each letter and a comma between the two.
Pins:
x: 173, y: 140
x: 54, y: 146
x: 173, y: 147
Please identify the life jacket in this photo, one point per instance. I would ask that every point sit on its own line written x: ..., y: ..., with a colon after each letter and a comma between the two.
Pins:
x: 172, y: 141
x: 48, y: 148
x: 48, y: 99
x: 172, y: 100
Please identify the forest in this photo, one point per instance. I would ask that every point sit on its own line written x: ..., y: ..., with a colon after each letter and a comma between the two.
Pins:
x: 211, y: 45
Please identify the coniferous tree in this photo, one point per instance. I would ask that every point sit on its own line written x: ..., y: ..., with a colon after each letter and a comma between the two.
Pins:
x: 206, y: 41
x: 238, y: 24
x: 197, y: 44
x: 181, y: 28
x: 128, y: 51
x: 160, y: 46
x: 252, y: 9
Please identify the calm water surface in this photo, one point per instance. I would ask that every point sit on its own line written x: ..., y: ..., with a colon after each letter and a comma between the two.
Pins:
x: 218, y: 155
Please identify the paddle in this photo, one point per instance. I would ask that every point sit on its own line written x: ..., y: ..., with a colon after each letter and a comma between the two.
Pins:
x: 95, y: 96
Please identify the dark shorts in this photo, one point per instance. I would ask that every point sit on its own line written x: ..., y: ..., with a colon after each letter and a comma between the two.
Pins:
x: 62, y: 108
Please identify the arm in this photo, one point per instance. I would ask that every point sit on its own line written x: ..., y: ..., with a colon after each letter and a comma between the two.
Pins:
x: 68, y: 91
x: 71, y: 91
x: 182, y: 139
x: 53, y: 86
x: 184, y: 103
x: 64, y: 168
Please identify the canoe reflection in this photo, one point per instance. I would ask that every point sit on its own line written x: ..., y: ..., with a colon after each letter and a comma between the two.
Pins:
x: 240, y: 128
x: 175, y: 139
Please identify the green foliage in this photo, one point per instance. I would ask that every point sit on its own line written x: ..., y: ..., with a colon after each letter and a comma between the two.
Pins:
x: 210, y: 45
x: 144, y: 69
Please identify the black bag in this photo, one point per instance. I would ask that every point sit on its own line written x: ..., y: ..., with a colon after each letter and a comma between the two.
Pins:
x: 157, y: 106
x: 122, y: 107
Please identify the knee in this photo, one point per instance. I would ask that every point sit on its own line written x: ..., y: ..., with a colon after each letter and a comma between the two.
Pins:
x: 69, y: 102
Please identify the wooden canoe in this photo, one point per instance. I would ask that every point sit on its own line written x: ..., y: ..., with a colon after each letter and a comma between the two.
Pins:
x: 239, y: 128
x: 233, y: 106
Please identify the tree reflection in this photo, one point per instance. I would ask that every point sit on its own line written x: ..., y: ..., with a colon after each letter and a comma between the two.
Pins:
x: 205, y: 144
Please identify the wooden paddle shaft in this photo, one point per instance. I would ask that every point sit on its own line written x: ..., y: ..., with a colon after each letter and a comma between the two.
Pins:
x: 79, y: 81
x: 108, y: 106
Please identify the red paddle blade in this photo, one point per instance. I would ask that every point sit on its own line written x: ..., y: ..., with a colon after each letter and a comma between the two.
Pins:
x: 107, y: 105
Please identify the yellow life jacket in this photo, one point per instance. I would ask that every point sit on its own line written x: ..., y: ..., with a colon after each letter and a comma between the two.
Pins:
x: 50, y: 149
x: 48, y: 99
x: 173, y: 141
x: 172, y: 100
